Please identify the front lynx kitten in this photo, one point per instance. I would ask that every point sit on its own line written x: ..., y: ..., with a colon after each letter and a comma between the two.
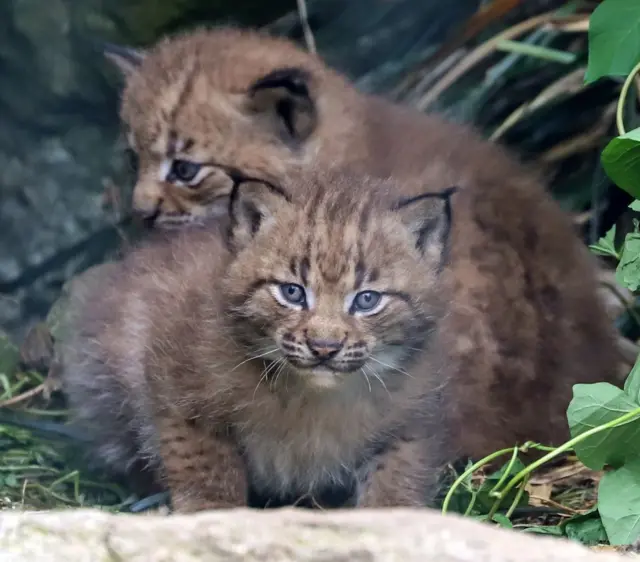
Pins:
x: 302, y: 346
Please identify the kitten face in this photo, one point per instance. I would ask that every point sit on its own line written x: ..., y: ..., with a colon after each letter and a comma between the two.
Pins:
x: 190, y: 116
x: 338, y: 285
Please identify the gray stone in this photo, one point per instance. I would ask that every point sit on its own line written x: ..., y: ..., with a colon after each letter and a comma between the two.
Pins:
x: 275, y: 536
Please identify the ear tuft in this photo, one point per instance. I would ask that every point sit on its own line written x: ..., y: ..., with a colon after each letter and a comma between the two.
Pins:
x: 126, y: 59
x: 252, y: 205
x: 428, y: 218
x: 284, y: 96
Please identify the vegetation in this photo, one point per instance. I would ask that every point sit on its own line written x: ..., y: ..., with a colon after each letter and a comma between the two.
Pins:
x: 604, y: 419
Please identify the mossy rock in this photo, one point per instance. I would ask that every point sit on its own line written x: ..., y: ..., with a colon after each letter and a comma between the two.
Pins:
x: 144, y: 21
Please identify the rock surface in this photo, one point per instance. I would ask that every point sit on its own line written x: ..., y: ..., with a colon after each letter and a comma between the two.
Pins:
x: 282, y: 535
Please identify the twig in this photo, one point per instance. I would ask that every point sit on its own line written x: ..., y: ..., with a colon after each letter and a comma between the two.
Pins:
x: 536, y: 51
x: 484, y: 50
x: 24, y: 396
x: 583, y: 142
x: 556, y: 504
x: 571, y: 83
x: 306, y: 28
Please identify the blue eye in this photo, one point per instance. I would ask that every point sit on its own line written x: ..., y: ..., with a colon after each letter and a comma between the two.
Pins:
x: 366, y: 301
x: 184, y: 171
x: 293, y: 293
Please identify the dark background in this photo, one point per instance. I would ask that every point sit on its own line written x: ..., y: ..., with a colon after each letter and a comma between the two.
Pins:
x: 64, y: 177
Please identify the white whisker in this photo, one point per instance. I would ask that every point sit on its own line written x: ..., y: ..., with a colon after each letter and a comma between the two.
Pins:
x: 390, y: 366
x: 265, y: 373
x: 379, y: 378
x: 272, y: 350
x: 281, y: 368
x: 366, y: 378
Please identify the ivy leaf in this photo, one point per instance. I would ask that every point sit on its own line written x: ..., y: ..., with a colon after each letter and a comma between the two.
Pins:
x: 614, y: 39
x: 606, y: 245
x: 586, y: 528
x: 621, y: 161
x: 619, y: 503
x: 593, y: 405
x: 632, y: 384
x: 502, y: 520
x: 628, y: 270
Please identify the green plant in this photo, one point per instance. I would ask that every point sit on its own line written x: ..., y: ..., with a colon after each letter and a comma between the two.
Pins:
x: 604, y: 420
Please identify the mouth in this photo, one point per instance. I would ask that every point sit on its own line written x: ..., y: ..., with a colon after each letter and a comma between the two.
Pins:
x: 325, y: 367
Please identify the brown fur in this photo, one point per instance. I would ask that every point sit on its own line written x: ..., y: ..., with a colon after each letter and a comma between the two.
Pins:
x: 178, y: 354
x: 528, y: 321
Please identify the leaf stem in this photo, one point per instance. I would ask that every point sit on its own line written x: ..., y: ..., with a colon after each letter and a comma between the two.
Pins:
x: 629, y: 416
x: 468, y: 472
x: 505, y: 475
x: 623, y: 98
x: 516, y: 499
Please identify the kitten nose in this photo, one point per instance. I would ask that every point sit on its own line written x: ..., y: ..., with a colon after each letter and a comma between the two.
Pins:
x: 325, y: 349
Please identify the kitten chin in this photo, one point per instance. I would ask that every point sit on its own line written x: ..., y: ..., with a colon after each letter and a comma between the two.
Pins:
x: 322, y: 378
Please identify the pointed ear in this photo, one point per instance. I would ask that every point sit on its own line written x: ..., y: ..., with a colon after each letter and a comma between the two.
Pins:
x: 126, y: 59
x: 428, y: 218
x: 283, y: 97
x: 252, y: 205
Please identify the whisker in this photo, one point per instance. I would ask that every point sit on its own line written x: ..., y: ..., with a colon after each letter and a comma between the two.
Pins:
x: 281, y: 368
x: 257, y: 386
x: 366, y: 378
x: 272, y: 350
x: 377, y: 376
x: 390, y: 366
x: 265, y: 374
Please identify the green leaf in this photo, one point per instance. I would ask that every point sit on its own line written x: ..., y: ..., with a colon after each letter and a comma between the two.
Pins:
x: 593, y: 405
x: 606, y: 245
x: 614, y: 39
x: 586, y: 528
x: 502, y: 520
x: 632, y: 384
x: 634, y: 206
x: 621, y: 161
x: 619, y: 503
x: 628, y: 270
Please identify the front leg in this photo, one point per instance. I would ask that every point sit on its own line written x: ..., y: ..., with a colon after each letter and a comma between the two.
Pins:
x: 401, y: 476
x: 202, y: 470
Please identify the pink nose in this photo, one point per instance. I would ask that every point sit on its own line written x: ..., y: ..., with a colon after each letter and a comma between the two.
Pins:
x: 325, y: 349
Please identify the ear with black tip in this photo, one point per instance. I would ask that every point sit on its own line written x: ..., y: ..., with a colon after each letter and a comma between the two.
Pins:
x: 283, y: 96
x: 428, y: 218
x: 252, y: 205
x: 126, y: 59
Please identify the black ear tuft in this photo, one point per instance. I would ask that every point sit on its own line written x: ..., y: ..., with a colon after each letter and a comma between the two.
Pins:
x: 127, y: 59
x: 428, y: 218
x: 252, y: 204
x: 284, y: 96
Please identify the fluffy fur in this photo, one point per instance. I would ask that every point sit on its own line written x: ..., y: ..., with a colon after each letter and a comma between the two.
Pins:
x: 188, y: 357
x: 526, y: 315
